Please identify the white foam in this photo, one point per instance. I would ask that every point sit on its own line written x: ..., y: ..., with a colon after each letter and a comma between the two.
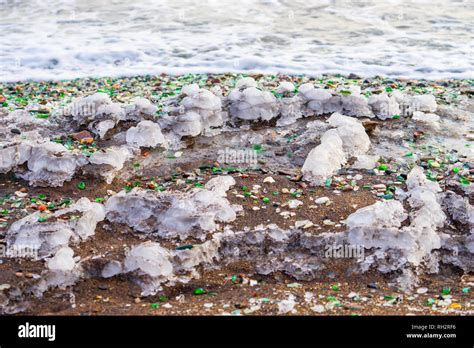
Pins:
x: 64, y: 39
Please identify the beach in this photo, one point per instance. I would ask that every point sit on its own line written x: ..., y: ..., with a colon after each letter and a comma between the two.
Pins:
x: 256, y: 228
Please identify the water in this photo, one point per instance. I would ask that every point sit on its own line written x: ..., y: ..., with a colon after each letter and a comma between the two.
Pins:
x: 61, y: 39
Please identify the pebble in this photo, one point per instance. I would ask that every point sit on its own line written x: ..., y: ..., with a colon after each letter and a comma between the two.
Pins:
x: 269, y: 179
x: 422, y: 290
x: 318, y: 308
x: 294, y: 203
x: 322, y: 200
x: 379, y: 187
x: 4, y: 287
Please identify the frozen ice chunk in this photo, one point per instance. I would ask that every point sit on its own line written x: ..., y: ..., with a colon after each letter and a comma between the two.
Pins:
x: 220, y: 185
x: 317, y: 101
x: 62, y: 261
x: 366, y: 162
x: 431, y: 120
x: 380, y: 226
x: 285, y: 87
x: 206, y: 104
x: 290, y: 106
x: 249, y: 103
x: 150, y: 258
x: 45, y: 237
x: 140, y: 109
x: 325, y: 159
x: 425, y: 103
x: 377, y: 225
x: 145, y: 134
x: 111, y: 269
x: 108, y: 162
x: 188, y: 124
x: 170, y: 214
x: 245, y: 82
x: 353, y: 103
x: 84, y: 109
x: 355, y: 140
x: 51, y: 164
x: 384, y: 106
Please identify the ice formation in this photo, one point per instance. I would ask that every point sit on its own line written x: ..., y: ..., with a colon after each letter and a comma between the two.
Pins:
x: 325, y: 159
x: 149, y: 258
x: 425, y: 103
x: 57, y: 230
x: 290, y: 104
x: 355, y: 140
x: 317, y: 101
x: 337, y: 145
x: 145, y: 134
x: 107, y: 162
x: 353, y: 103
x: 431, y: 120
x: 100, y: 114
x: 51, y: 164
x: 247, y: 102
x: 195, y: 111
x: 206, y: 104
x: 384, y: 106
x: 170, y: 214
x: 140, y: 109
x: 220, y: 184
x: 48, y: 163
x: 398, y: 247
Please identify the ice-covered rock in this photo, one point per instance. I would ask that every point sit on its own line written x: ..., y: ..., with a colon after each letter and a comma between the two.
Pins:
x: 44, y: 237
x: 145, y: 134
x: 384, y: 106
x: 250, y: 103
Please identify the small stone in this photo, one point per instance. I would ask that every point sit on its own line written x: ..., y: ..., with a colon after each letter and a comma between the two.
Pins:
x: 4, y: 286
x: 318, y: 308
x: 422, y: 290
x: 269, y: 179
x: 294, y: 203
x: 322, y: 200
